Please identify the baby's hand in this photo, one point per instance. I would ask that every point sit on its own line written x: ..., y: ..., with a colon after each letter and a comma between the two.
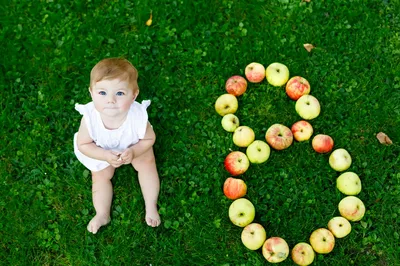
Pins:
x: 127, y: 156
x: 113, y: 158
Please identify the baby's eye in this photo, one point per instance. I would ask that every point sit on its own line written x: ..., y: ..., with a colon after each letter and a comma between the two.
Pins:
x: 120, y: 93
x: 102, y: 93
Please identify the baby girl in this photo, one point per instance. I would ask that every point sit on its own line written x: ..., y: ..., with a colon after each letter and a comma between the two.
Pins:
x: 114, y: 131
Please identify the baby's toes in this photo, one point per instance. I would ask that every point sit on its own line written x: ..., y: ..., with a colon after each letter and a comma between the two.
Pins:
x: 152, y: 222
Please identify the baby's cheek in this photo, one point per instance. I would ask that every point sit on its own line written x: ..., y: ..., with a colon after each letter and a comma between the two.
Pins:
x: 126, y: 106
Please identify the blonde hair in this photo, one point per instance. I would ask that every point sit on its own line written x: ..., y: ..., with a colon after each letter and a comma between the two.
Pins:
x: 115, y: 68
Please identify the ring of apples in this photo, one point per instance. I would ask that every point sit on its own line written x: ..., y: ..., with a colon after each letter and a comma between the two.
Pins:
x: 279, y: 137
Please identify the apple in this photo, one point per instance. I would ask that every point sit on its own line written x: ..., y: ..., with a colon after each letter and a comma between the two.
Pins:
x: 253, y: 236
x: 322, y: 143
x: 243, y: 136
x: 322, y: 241
x: 277, y: 74
x: 241, y: 212
x: 349, y: 183
x: 303, y: 254
x: 275, y: 249
x: 297, y: 87
x: 254, y: 72
x: 230, y: 122
x: 308, y: 107
x: 258, y: 152
x: 236, y: 163
x: 339, y: 226
x: 340, y: 160
x: 226, y: 104
x: 352, y: 208
x: 302, y: 130
x: 236, y: 85
x: 279, y: 136
x: 234, y: 188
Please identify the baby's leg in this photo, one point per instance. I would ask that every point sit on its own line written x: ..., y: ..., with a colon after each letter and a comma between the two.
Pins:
x: 145, y: 164
x: 102, y: 193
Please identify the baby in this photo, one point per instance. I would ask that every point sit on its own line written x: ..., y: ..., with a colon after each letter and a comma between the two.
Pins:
x: 114, y: 131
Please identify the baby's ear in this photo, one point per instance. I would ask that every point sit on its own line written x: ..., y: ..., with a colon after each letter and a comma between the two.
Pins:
x: 136, y: 95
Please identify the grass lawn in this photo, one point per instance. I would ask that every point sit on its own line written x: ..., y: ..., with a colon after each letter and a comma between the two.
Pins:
x: 184, y: 58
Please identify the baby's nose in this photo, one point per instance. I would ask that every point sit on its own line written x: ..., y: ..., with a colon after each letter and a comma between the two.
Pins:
x: 111, y: 99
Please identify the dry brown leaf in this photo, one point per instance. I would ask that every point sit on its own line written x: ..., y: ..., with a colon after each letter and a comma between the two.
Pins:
x: 308, y: 46
x: 383, y: 138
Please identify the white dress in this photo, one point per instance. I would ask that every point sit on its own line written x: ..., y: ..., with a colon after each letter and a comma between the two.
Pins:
x: 128, y: 134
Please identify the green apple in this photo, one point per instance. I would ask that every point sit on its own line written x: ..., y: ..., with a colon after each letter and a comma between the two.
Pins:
x: 339, y: 226
x: 226, y: 104
x: 243, y: 136
x: 303, y: 254
x: 275, y: 249
x: 340, y: 160
x: 253, y: 236
x: 349, y: 183
x: 241, y: 212
x: 352, y: 208
x: 258, y: 152
x: 230, y: 122
x: 322, y: 241
x: 308, y: 107
x: 277, y: 74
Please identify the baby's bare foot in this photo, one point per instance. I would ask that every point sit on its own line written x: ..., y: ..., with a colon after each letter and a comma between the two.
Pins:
x: 152, y: 216
x: 97, y: 222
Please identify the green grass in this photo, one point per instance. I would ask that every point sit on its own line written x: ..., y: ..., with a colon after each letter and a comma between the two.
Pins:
x: 47, y: 51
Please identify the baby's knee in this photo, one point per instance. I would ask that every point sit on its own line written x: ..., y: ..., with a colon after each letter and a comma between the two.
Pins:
x: 103, y: 175
x: 145, y: 161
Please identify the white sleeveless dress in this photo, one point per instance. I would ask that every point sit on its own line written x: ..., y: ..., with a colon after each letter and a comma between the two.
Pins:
x: 128, y: 134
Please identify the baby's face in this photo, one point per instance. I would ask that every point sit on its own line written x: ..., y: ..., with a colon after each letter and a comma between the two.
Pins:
x: 112, y: 97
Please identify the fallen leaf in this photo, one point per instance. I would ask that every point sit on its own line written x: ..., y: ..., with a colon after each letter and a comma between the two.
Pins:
x: 383, y: 138
x: 150, y: 20
x: 308, y: 46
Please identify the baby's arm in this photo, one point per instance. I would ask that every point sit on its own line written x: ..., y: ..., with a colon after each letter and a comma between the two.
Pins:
x: 141, y: 147
x: 87, y: 146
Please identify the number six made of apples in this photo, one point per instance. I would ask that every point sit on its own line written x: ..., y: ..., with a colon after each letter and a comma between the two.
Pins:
x: 280, y: 137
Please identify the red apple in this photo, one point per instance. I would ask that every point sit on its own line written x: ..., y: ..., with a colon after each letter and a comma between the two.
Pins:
x: 234, y: 188
x: 236, y: 163
x: 322, y: 143
x: 236, y: 85
x: 279, y: 136
x: 255, y: 72
x: 302, y: 130
x: 297, y: 87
